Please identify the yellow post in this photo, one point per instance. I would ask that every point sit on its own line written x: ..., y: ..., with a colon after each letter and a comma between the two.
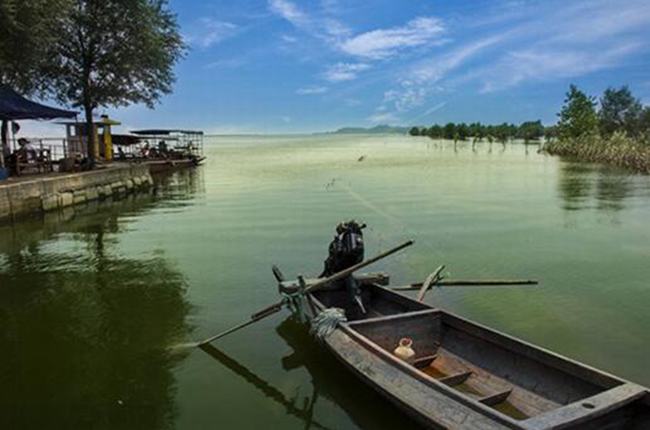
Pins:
x: 108, y: 143
x: 108, y: 138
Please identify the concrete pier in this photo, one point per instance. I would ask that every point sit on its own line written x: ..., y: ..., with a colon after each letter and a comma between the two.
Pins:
x: 29, y: 195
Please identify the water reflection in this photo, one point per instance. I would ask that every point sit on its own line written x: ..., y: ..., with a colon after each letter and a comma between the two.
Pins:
x: 574, y: 185
x: 584, y: 186
x: 304, y: 413
x: 330, y: 380
x: 612, y: 189
x: 84, y: 331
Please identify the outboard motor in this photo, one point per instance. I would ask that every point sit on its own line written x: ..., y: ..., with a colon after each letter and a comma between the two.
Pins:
x: 345, y: 251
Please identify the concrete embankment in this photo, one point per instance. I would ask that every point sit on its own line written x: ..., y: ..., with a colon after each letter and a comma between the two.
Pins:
x: 52, y: 192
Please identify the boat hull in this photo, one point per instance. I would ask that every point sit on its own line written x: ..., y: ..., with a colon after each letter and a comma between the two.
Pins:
x: 548, y: 390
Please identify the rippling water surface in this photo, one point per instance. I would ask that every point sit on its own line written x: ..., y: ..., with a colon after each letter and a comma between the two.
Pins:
x: 92, y: 299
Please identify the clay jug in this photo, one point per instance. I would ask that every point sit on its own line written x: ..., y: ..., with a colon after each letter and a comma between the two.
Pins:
x: 404, y: 350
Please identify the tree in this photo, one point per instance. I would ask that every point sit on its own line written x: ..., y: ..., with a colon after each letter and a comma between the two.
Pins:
x: 463, y: 131
x: 449, y: 130
x: 114, y: 53
x: 414, y: 131
x: 530, y: 130
x: 435, y: 132
x: 578, y: 115
x: 644, y: 123
x: 27, y: 29
x: 619, y: 111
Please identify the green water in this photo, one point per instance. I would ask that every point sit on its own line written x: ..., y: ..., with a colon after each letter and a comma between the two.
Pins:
x: 92, y: 299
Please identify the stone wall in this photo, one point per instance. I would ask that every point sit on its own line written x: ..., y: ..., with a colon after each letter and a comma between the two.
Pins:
x: 42, y: 194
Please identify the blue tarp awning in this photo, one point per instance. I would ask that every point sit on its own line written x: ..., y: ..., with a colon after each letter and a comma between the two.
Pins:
x: 14, y: 107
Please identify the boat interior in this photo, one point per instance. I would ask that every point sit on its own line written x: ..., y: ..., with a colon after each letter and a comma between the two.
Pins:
x: 504, y: 374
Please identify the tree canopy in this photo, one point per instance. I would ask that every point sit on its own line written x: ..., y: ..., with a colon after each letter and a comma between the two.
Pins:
x: 114, y: 53
x: 27, y: 30
x: 619, y: 111
x: 578, y: 115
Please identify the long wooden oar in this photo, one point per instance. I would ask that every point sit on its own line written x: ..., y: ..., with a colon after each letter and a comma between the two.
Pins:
x: 275, y: 307
x: 469, y: 283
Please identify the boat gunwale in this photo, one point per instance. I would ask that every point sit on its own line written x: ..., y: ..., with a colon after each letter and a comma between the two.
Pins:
x: 603, y: 379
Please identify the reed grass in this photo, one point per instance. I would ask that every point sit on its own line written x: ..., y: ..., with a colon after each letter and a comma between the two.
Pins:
x: 618, y: 149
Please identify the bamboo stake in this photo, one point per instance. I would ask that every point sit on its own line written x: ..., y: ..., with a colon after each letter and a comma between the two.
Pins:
x: 432, y: 279
x: 275, y: 307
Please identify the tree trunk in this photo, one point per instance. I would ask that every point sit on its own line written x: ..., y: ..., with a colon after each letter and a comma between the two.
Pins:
x: 91, y: 140
x: 4, y: 141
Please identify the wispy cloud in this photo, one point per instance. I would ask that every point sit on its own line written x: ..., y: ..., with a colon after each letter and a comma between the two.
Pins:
x: 209, y: 32
x: 229, y: 63
x: 344, y: 71
x: 325, y: 28
x: 306, y: 91
x: 539, y: 65
x: 383, y: 43
x: 553, y: 43
x: 290, y: 12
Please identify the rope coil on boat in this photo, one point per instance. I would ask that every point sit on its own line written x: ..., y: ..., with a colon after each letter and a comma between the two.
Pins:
x: 326, y: 322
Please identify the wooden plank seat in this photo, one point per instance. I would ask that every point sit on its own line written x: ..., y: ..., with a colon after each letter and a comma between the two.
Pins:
x: 456, y: 378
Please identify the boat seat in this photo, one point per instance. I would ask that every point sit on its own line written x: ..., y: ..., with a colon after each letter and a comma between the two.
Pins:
x: 424, y: 361
x: 456, y: 378
x: 496, y: 398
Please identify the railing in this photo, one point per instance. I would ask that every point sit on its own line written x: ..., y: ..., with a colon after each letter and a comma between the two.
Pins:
x: 59, y: 147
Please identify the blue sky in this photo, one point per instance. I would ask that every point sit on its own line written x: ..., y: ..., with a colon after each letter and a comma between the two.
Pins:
x: 301, y: 66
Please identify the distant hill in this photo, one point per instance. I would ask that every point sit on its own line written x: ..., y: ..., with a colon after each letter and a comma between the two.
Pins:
x: 378, y: 129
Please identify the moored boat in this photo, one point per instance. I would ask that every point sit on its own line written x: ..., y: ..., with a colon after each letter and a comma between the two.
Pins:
x: 465, y: 375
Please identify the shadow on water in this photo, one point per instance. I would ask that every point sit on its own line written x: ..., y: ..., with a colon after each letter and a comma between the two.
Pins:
x: 330, y: 379
x: 84, y: 332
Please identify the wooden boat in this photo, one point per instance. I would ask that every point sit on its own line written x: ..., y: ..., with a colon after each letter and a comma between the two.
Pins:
x: 468, y: 376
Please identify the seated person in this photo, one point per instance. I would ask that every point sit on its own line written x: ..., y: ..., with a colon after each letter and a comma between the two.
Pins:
x: 26, y: 152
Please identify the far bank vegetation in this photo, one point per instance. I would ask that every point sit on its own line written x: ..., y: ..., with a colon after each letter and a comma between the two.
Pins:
x: 613, y: 129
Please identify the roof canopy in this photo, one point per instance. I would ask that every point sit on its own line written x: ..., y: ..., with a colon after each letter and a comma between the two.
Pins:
x: 13, y: 106
x: 164, y: 132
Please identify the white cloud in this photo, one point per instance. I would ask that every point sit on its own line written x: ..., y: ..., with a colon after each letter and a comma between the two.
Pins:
x: 311, y: 91
x: 383, y: 43
x: 289, y: 39
x: 344, y: 71
x: 436, y: 68
x: 210, y: 32
x: 289, y: 11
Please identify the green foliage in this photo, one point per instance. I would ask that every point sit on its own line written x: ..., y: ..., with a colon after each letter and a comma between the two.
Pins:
x: 531, y: 130
x: 27, y: 30
x: 620, y: 111
x: 114, y: 53
x: 449, y: 131
x: 578, y: 115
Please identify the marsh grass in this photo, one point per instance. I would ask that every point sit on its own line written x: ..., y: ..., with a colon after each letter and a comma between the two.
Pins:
x: 619, y: 150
